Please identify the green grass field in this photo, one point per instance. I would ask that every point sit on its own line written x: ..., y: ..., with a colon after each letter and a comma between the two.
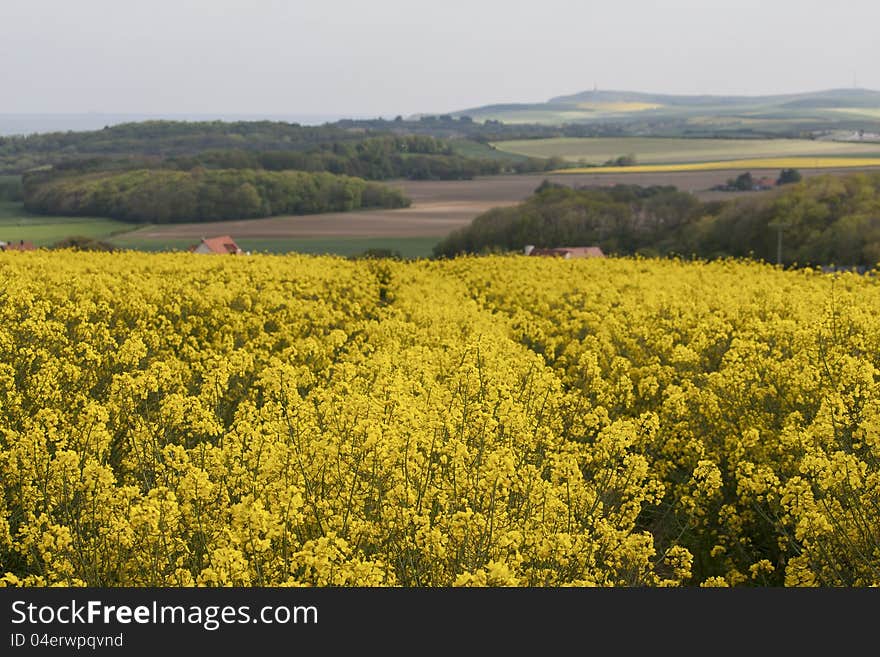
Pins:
x: 652, y: 150
x: 541, y: 116
x: 873, y: 113
x: 18, y: 224
x: 558, y: 114
x: 475, y: 149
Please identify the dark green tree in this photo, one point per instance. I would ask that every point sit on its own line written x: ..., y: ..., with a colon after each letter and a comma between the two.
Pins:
x: 743, y: 182
x: 788, y: 176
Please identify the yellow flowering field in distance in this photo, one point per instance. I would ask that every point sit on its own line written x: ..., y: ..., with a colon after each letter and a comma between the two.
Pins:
x: 179, y: 420
x: 754, y: 163
x: 679, y: 150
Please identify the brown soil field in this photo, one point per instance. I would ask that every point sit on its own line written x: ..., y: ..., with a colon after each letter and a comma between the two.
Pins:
x: 438, y: 207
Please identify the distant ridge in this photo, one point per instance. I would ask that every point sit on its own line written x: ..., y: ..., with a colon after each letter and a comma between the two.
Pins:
x: 822, y: 108
x: 829, y: 95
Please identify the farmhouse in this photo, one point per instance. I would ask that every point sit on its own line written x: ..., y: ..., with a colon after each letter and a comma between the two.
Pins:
x: 567, y: 252
x: 223, y: 245
x: 20, y: 245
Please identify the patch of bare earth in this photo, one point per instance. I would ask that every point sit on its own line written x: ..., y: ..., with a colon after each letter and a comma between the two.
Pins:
x: 439, y: 207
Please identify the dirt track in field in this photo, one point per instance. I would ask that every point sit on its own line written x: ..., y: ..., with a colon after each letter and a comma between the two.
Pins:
x: 442, y: 206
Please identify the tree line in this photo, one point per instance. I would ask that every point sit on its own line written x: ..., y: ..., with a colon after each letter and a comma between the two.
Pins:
x: 168, y: 196
x: 489, y: 130
x: 10, y: 188
x: 412, y: 157
x: 169, y: 138
x: 374, y: 154
x: 823, y: 220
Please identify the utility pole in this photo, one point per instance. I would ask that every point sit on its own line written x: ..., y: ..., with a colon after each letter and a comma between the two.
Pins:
x: 779, y: 246
x: 778, y: 225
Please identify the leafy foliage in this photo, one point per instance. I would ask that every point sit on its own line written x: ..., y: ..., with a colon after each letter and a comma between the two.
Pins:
x: 824, y: 219
x: 620, y: 219
x: 788, y: 176
x: 81, y: 243
x: 265, y: 145
x: 10, y: 188
x: 164, y: 196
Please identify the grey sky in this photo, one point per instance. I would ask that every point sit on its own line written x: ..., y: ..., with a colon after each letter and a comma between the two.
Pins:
x: 384, y: 57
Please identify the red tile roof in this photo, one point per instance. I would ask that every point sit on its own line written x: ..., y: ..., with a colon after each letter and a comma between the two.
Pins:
x: 21, y: 245
x: 223, y: 244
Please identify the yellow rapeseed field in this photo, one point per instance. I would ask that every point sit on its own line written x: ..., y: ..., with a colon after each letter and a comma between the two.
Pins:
x: 755, y: 163
x: 178, y: 420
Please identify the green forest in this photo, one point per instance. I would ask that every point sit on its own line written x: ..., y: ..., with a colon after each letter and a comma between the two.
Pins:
x: 162, y: 139
x: 168, y: 196
x: 167, y: 171
x: 825, y: 220
x: 274, y: 146
x: 375, y: 158
x: 10, y: 188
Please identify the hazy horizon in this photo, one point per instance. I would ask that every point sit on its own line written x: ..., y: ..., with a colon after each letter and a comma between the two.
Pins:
x: 42, y: 122
x: 389, y: 57
x: 26, y: 124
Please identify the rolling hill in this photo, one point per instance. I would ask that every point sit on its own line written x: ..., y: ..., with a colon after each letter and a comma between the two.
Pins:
x: 835, y: 112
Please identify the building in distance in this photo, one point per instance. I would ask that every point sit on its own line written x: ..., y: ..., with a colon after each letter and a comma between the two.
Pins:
x: 567, y: 252
x: 222, y: 245
x: 20, y: 245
